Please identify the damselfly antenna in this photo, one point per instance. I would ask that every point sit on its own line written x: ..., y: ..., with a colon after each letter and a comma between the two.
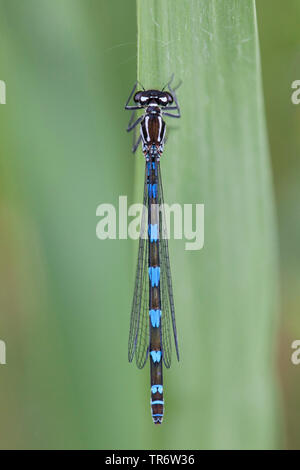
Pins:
x: 140, y: 84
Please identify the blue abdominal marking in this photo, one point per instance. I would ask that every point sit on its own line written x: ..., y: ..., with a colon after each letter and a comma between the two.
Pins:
x: 153, y: 232
x: 156, y: 356
x: 157, y: 402
x: 152, y: 190
x: 154, y: 275
x: 157, y: 388
x: 155, y: 318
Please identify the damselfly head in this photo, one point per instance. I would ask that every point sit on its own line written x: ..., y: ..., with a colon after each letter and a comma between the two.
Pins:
x: 145, y: 97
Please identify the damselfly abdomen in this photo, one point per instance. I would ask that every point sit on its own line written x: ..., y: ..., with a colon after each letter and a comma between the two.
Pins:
x: 152, y: 311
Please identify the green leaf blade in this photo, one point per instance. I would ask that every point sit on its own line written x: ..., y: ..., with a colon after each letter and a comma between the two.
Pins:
x: 223, y: 394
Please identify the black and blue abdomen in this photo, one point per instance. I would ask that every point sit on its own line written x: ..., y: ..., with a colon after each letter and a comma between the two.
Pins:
x: 156, y: 375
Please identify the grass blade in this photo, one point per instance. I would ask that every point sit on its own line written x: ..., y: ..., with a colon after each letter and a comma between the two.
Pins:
x: 223, y: 393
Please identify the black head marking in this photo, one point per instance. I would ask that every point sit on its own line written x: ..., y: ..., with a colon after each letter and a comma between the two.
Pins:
x: 145, y: 97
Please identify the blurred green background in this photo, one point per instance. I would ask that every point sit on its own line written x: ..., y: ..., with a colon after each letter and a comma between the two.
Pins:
x: 280, y: 56
x: 65, y: 296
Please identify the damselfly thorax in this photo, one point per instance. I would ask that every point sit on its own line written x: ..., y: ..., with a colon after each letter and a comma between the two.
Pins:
x: 153, y: 129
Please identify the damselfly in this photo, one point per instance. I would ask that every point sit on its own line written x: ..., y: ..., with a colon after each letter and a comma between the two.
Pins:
x: 152, y: 315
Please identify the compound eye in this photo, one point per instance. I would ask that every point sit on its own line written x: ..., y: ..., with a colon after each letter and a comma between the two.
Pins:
x: 163, y: 100
x: 169, y: 97
x: 144, y: 100
x: 137, y: 96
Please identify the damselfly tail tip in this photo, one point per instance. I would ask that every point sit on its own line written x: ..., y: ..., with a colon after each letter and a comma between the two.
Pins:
x: 157, y: 420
